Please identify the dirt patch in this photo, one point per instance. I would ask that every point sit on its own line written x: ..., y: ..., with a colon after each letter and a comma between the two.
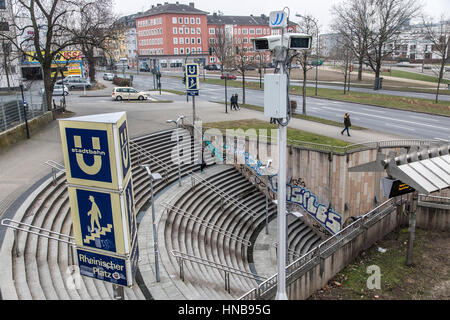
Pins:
x: 428, y: 278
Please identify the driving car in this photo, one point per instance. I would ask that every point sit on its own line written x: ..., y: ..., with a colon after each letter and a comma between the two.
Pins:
x: 77, y: 83
x: 229, y: 77
x: 128, y: 93
x: 108, y: 76
x: 212, y: 67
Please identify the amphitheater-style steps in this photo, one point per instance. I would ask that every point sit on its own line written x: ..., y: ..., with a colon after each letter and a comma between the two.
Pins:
x: 184, y: 235
x: 43, y: 268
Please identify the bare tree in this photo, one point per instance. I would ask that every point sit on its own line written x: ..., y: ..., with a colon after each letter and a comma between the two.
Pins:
x: 439, y: 36
x: 97, y: 26
x: 382, y: 25
x: 222, y: 45
x: 48, y: 21
x: 302, y: 58
x: 349, y: 19
x: 242, y: 61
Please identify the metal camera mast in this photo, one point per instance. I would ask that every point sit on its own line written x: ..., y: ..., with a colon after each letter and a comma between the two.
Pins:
x: 277, y: 108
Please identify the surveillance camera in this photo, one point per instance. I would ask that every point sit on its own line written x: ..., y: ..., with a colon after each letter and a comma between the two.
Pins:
x: 293, y: 41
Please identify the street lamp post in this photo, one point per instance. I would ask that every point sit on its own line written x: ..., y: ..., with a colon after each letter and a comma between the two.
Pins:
x: 24, y: 105
x: 178, y: 145
x: 317, y: 49
x: 154, y: 177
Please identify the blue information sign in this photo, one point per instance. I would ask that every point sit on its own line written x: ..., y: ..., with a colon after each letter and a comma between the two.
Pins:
x: 192, y: 83
x: 192, y: 69
x: 102, y: 267
x: 88, y: 154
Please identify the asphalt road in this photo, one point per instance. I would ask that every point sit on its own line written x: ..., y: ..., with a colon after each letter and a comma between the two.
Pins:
x: 404, y: 123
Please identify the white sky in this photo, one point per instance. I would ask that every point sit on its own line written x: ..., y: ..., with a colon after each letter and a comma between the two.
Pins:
x: 320, y: 9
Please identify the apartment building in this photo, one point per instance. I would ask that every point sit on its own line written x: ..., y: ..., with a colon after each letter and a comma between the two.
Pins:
x: 169, y: 32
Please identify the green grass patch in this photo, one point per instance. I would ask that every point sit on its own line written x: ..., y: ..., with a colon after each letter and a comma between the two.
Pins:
x: 391, y: 263
x: 292, y: 134
x: 181, y: 93
x: 413, y: 76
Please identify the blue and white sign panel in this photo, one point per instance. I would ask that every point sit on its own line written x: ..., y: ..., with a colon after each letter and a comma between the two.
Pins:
x: 192, y: 70
x: 96, y: 150
x: 278, y: 19
x: 103, y: 267
x: 192, y: 92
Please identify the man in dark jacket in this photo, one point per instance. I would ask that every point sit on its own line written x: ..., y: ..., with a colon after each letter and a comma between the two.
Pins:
x: 232, y: 103
x: 347, y: 124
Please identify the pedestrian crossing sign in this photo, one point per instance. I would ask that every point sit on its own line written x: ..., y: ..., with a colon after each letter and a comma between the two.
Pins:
x: 103, y: 220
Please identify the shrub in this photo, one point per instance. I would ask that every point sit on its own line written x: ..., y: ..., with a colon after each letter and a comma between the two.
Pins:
x: 121, y: 82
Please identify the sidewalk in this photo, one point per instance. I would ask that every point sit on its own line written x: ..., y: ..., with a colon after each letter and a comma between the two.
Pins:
x: 22, y: 164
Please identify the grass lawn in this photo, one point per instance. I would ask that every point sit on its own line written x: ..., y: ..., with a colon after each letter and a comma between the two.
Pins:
x: 292, y: 134
x: 413, y: 76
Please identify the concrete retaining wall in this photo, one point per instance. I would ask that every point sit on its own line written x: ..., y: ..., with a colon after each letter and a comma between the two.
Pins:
x: 318, y: 276
x: 433, y: 219
x: 19, y: 132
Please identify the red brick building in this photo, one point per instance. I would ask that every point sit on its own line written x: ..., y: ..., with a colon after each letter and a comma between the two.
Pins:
x: 168, y: 32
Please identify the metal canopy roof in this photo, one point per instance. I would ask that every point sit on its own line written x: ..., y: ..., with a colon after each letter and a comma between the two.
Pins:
x: 430, y: 174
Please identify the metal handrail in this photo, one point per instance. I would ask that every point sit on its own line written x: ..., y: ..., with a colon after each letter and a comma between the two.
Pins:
x: 151, y: 157
x: 55, y: 165
x: 294, y: 253
x: 207, y: 224
x: 6, y: 223
x: 425, y: 197
x: 316, y: 252
x: 215, y: 265
x: 223, y: 195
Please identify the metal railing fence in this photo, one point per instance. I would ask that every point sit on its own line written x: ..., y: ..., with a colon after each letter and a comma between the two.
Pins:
x: 12, y: 110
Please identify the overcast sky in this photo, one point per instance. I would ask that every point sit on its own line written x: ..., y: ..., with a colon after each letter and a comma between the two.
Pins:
x: 317, y: 8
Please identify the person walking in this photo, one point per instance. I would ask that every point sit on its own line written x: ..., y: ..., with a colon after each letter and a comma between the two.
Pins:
x: 236, y: 102
x: 232, y: 103
x: 347, y: 124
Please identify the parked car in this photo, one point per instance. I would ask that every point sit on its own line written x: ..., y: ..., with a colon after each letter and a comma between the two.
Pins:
x: 229, y: 77
x: 128, y: 93
x: 212, y: 67
x: 108, y: 76
x: 78, y: 83
x: 58, y: 90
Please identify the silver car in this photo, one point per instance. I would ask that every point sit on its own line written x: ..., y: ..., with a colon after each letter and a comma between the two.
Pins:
x: 108, y: 76
x: 58, y: 90
x: 79, y: 83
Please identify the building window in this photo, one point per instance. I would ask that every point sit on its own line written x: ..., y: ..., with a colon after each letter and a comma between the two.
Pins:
x: 244, y: 31
x: 198, y: 20
x: 199, y: 40
x: 192, y: 40
x: 174, y: 20
x: 212, y: 40
x: 211, y: 31
x: 181, y: 51
x: 175, y: 30
x: 245, y: 40
x: 175, y: 40
x: 187, y: 50
x: 199, y: 31
x: 192, y: 20
x: 4, y: 26
x: 180, y: 20
x: 181, y: 31
x: 186, y: 30
x: 186, y: 20
x: 192, y: 30
x: 187, y: 41
x: 252, y: 31
x: 181, y: 41
x: 199, y: 49
x: 175, y: 50
x: 258, y: 31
